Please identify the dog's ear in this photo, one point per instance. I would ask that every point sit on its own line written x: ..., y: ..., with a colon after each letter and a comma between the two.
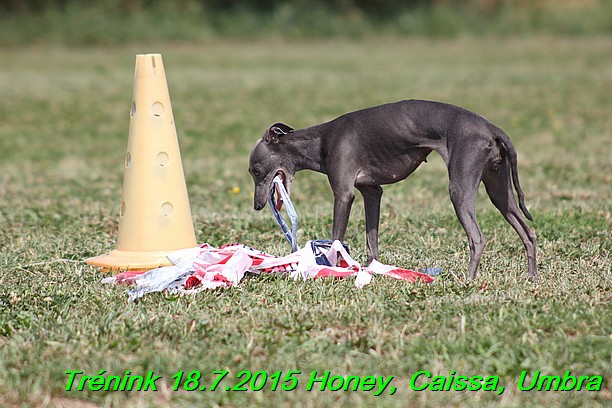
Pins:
x: 277, y: 130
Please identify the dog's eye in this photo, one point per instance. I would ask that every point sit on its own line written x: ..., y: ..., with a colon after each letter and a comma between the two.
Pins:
x: 256, y: 172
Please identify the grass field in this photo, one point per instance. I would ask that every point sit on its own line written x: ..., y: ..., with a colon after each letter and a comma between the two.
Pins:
x: 63, y: 134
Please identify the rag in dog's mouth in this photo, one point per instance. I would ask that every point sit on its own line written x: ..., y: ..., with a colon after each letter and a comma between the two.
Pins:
x: 275, y: 189
x: 286, y: 183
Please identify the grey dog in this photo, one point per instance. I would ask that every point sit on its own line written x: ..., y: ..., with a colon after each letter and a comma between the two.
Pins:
x: 385, y: 144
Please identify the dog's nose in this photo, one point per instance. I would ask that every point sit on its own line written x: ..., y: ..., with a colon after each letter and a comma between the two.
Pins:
x: 257, y: 206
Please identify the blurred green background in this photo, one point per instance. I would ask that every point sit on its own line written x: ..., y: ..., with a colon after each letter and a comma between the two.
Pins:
x: 91, y: 22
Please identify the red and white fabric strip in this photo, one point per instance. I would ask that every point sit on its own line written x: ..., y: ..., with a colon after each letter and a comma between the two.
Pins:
x: 207, y: 267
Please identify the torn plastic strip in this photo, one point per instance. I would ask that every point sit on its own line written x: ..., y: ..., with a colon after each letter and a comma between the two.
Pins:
x: 290, y: 234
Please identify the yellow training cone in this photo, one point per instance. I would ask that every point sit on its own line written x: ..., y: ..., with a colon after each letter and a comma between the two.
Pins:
x: 155, y: 217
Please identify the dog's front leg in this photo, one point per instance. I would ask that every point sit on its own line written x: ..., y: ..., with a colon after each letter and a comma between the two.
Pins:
x: 343, y: 200
x: 371, y: 201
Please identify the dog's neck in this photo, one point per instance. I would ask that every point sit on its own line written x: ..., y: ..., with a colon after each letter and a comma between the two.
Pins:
x: 305, y: 148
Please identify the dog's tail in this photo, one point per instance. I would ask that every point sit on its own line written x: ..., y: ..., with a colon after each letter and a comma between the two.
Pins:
x: 510, y: 152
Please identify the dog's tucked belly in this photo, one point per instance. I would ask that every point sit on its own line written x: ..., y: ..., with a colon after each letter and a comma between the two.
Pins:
x: 391, y: 169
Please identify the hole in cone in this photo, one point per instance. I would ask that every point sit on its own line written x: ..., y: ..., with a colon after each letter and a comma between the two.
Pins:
x: 167, y: 209
x: 163, y: 158
x: 157, y: 109
x: 122, y: 209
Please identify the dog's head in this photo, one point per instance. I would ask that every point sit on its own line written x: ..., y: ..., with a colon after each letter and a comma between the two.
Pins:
x: 268, y: 159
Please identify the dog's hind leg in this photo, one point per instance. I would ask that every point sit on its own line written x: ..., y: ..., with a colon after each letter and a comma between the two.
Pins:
x: 499, y: 189
x: 371, y: 200
x: 465, y: 174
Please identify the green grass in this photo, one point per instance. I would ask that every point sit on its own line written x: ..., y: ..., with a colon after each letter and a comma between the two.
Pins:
x: 63, y: 134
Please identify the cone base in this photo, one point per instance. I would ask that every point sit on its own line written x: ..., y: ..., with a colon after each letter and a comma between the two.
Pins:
x: 121, y: 261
